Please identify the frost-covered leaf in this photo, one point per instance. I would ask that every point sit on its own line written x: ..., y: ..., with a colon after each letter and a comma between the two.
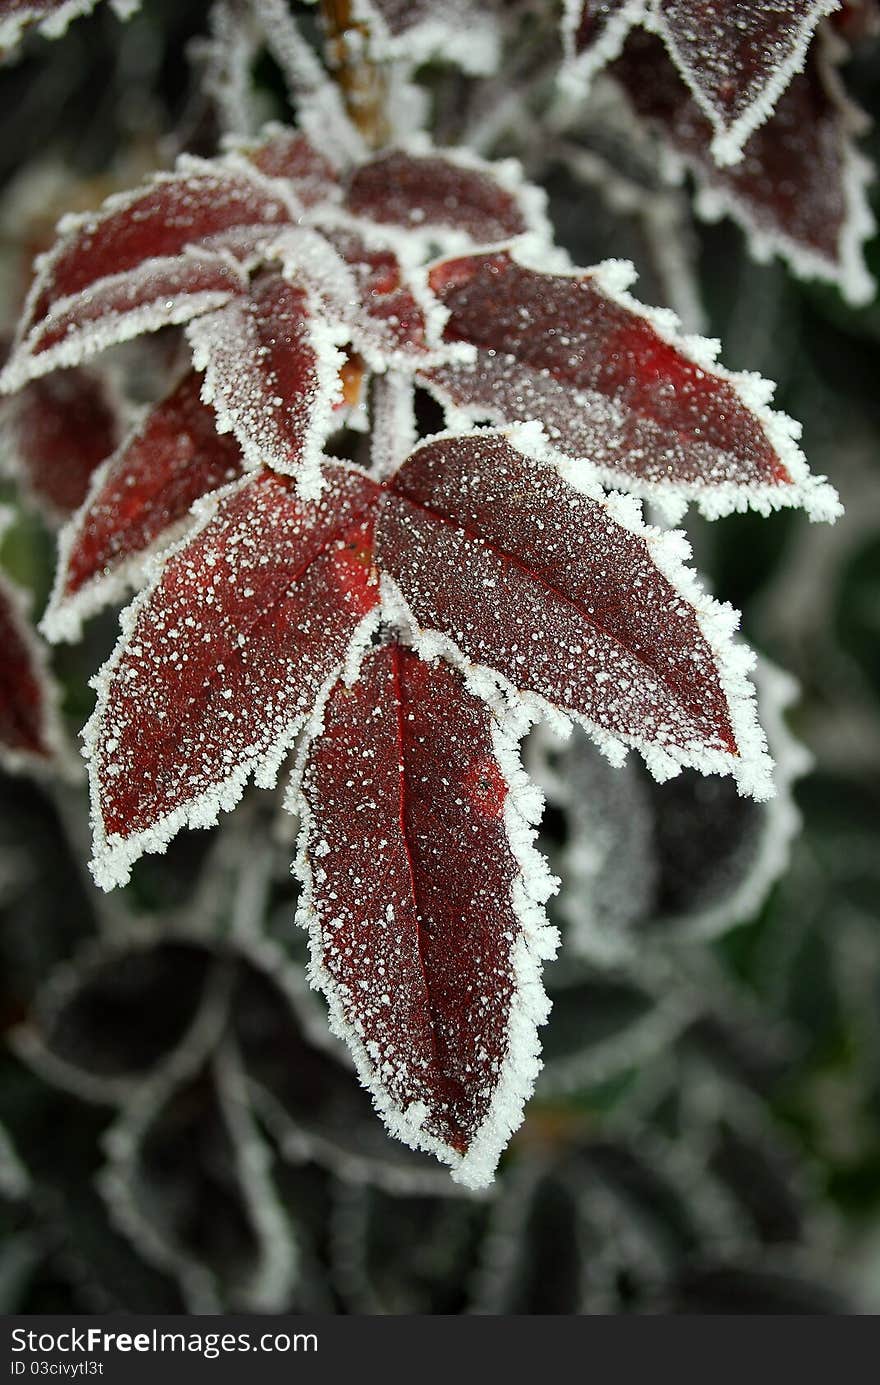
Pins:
x: 393, y: 312
x: 188, y: 1180
x: 302, y: 1087
x: 618, y: 387
x: 569, y: 598
x: 361, y: 285
x: 423, y: 904
x: 137, y: 503
x: 446, y: 196
x: 738, y: 59
x: 29, y: 732
x: 281, y: 152
x: 685, y: 859
x: 157, y: 256
x: 857, y: 20
x: 272, y: 375
x: 52, y: 16
x: 111, y: 1017
x: 56, y: 432
x: 222, y: 658
x: 799, y: 190
x: 380, y: 1266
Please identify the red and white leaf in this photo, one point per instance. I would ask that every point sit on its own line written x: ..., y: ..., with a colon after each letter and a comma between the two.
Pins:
x: 799, y: 191
x: 382, y: 307
x: 393, y: 430
x: 224, y: 656
x: 282, y: 152
x: 52, y: 16
x: 497, y: 557
x: 30, y: 736
x: 449, y: 197
x: 423, y: 899
x: 737, y: 60
x: 616, y: 386
x: 593, y: 33
x: 56, y: 432
x: 138, y: 504
x: 156, y: 256
x: 272, y: 374
x: 462, y: 32
x: 857, y: 20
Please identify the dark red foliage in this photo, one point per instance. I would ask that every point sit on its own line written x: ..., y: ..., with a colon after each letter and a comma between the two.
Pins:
x: 388, y: 303
x: 732, y: 52
x: 594, y: 20
x: 792, y: 181
x: 421, y: 191
x: 416, y: 951
x: 109, y: 310
x: 543, y: 337
x: 175, y: 456
x: 60, y: 429
x: 291, y: 155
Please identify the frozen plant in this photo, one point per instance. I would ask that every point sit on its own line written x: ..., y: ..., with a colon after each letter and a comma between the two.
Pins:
x: 399, y: 621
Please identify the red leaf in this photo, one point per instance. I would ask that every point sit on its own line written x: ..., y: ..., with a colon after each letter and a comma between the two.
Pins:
x: 291, y: 155
x: 380, y: 308
x: 128, y: 259
x: 568, y: 596
x: 738, y: 59
x: 58, y: 430
x: 857, y: 20
x: 175, y: 456
x: 431, y: 193
x: 593, y: 33
x: 272, y: 375
x: 616, y: 387
x: 464, y: 32
x: 222, y: 658
x: 28, y: 732
x: 425, y: 939
x: 800, y: 189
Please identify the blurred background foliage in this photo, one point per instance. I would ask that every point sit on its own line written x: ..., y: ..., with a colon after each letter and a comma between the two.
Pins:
x: 178, y: 1132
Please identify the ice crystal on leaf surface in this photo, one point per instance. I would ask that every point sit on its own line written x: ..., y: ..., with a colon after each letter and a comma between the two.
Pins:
x: 400, y: 624
x: 30, y: 737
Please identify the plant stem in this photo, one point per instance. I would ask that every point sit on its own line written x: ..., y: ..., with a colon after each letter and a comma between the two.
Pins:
x: 363, y: 84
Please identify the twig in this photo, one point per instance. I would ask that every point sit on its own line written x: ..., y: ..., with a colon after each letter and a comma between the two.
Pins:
x: 363, y: 84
